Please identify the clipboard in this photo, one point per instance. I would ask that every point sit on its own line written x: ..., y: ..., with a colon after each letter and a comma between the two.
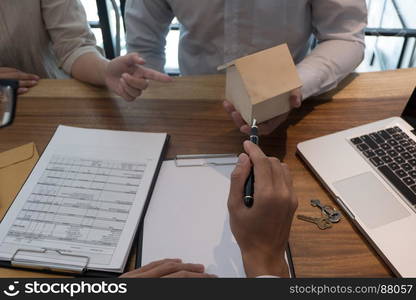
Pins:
x: 75, y: 270
x: 77, y: 265
x: 170, y: 172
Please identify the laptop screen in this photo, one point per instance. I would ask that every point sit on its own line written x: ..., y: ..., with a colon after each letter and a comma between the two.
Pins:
x: 409, y: 112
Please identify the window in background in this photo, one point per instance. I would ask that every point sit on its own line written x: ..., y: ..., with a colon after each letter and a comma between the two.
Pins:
x: 92, y: 16
x: 394, y: 46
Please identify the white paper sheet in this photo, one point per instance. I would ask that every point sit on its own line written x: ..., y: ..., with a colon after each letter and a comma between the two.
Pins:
x: 84, y: 197
x: 187, y: 218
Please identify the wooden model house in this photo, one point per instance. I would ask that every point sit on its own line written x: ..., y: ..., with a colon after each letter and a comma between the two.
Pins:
x: 259, y: 85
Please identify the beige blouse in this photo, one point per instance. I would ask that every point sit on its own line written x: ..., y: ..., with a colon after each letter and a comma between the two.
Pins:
x: 44, y: 37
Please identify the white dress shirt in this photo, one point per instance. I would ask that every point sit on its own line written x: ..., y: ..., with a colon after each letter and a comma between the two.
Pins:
x: 214, y: 32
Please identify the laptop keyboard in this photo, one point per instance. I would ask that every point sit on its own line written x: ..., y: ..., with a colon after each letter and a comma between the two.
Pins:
x: 393, y: 153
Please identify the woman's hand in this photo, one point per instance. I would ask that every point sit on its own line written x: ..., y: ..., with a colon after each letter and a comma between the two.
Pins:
x: 127, y: 77
x: 26, y: 80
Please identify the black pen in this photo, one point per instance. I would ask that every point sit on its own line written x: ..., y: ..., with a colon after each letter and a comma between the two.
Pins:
x: 249, y: 185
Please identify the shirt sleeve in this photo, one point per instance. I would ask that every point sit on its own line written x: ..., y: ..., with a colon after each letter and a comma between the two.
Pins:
x: 147, y: 24
x: 339, y: 28
x: 71, y: 36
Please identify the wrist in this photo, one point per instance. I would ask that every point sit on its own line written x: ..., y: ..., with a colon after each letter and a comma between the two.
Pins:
x: 258, y: 264
x: 91, y: 68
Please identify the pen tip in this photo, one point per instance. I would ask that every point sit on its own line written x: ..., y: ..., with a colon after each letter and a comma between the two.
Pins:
x: 254, y: 123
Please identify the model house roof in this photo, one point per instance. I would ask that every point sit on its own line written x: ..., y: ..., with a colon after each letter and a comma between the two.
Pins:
x: 267, y: 73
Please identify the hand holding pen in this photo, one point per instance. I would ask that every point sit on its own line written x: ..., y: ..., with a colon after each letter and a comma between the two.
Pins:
x: 262, y: 231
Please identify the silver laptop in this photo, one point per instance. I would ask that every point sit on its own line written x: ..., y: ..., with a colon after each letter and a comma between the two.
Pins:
x: 371, y: 172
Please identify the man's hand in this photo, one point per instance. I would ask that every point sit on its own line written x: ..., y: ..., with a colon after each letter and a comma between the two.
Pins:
x: 169, y: 268
x: 262, y: 231
x: 26, y: 80
x: 267, y: 127
x: 126, y: 76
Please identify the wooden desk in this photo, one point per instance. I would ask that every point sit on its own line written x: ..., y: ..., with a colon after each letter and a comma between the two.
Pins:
x: 190, y: 111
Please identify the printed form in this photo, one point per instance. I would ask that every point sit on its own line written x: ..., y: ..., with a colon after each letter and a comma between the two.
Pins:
x: 83, y: 202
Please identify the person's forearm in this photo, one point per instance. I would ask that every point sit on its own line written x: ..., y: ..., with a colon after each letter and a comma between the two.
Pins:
x: 329, y: 63
x: 90, y: 67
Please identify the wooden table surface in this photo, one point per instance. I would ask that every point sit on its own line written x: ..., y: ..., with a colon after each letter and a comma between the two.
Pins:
x: 190, y: 110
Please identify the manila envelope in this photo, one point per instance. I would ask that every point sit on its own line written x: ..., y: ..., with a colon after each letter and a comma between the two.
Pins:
x: 15, y: 167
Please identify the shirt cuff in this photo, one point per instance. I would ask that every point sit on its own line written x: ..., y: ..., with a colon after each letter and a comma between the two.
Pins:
x: 310, y: 79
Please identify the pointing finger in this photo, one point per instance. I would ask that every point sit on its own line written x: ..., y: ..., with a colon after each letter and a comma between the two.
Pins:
x: 155, y: 75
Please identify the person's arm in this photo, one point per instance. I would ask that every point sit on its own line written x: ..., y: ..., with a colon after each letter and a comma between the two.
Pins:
x: 75, y: 47
x: 66, y: 23
x: 147, y: 24
x: 124, y: 75
x: 262, y: 231
x: 339, y: 28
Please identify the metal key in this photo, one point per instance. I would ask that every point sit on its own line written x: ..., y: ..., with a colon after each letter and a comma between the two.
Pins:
x: 322, y: 223
x: 333, y: 215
